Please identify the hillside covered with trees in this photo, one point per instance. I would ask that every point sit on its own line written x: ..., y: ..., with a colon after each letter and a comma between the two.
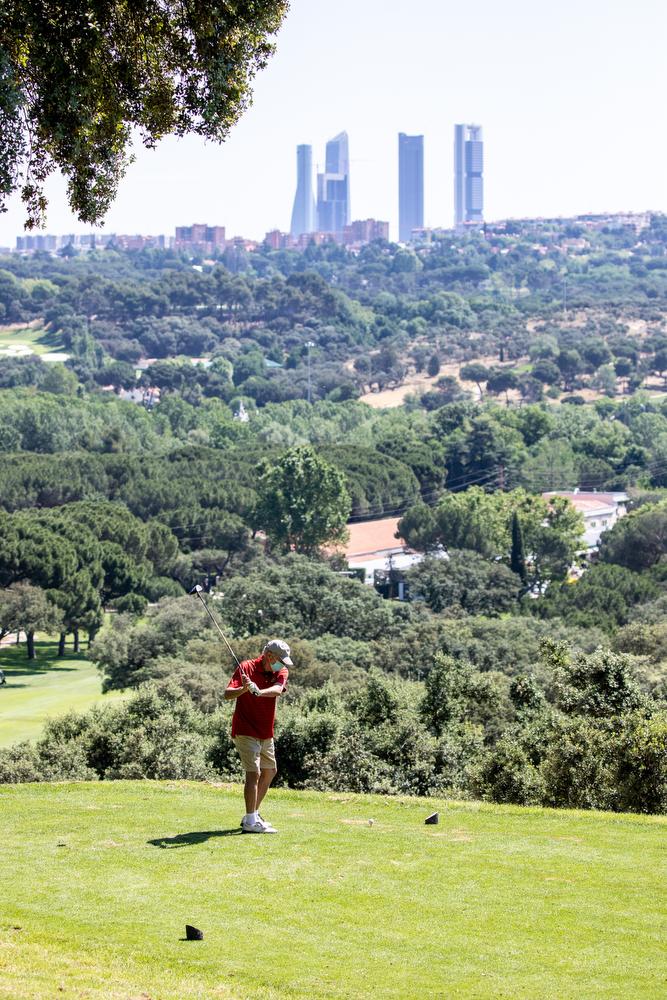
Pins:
x: 529, y: 308
x: 504, y: 676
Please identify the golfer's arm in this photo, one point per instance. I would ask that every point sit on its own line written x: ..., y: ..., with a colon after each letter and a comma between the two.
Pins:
x: 272, y: 692
x: 232, y: 693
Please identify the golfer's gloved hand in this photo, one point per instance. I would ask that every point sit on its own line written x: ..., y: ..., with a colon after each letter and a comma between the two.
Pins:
x: 252, y: 687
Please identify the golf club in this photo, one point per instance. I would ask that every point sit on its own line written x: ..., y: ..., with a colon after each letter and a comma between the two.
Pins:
x: 198, y: 590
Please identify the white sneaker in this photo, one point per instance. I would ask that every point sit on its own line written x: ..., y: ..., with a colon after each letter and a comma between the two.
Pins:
x: 258, y: 827
x: 269, y: 827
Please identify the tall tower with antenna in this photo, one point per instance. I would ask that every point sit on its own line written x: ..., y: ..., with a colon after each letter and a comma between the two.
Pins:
x: 468, y: 175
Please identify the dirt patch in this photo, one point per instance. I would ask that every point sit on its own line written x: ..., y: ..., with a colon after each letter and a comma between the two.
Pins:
x: 388, y: 398
x: 34, y: 324
x: 637, y: 327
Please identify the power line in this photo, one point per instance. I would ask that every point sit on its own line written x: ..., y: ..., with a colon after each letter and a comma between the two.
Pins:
x: 405, y: 506
x: 554, y: 480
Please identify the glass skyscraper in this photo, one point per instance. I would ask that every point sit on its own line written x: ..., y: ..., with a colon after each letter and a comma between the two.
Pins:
x: 333, y: 187
x: 468, y: 171
x: 303, y: 212
x: 410, y: 185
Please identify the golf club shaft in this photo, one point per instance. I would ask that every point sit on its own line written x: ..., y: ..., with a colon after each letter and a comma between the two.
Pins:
x: 224, y: 637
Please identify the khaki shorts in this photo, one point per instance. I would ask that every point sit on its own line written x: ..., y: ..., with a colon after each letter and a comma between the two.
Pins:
x: 256, y: 755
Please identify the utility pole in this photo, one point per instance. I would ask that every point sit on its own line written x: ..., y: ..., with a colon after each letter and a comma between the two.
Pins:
x: 309, y: 344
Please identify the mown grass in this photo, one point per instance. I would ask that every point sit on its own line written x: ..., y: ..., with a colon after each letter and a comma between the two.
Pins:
x: 99, y: 881
x: 39, y: 689
x: 33, y: 336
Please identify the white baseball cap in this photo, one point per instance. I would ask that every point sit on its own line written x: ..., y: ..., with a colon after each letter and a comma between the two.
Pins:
x: 280, y: 649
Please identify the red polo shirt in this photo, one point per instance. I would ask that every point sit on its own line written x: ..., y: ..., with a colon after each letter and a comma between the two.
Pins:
x: 255, y: 716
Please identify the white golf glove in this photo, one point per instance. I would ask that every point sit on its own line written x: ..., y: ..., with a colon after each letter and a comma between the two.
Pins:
x: 252, y: 687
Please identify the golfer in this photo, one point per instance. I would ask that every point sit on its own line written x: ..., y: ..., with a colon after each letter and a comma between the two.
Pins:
x: 255, y: 686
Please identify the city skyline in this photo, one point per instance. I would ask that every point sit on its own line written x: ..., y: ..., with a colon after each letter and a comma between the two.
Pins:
x: 331, y: 213
x: 561, y: 74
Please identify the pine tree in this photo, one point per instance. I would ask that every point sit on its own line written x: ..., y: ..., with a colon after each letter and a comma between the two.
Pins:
x: 518, y: 556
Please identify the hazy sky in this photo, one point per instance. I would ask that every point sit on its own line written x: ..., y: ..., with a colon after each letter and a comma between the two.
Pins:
x: 570, y: 97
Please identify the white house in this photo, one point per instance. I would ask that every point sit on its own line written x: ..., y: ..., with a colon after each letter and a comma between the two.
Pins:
x: 600, y: 511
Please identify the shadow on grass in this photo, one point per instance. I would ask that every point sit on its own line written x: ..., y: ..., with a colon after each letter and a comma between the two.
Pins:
x: 15, y: 663
x: 52, y: 340
x: 38, y: 668
x: 199, y: 837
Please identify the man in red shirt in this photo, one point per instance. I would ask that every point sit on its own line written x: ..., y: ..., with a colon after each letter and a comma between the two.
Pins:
x: 255, y: 685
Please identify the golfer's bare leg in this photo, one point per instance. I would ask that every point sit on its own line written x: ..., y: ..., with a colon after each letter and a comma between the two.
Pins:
x: 266, y: 776
x: 250, y: 791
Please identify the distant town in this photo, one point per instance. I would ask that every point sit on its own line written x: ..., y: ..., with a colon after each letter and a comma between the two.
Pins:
x: 321, y: 211
x: 200, y: 238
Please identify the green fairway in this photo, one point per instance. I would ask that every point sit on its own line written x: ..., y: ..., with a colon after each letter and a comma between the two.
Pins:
x: 99, y: 880
x: 14, y: 338
x: 45, y: 687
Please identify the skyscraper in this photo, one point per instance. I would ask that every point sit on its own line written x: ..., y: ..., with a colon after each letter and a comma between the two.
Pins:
x: 410, y: 185
x: 468, y: 168
x: 303, y: 212
x: 333, y: 187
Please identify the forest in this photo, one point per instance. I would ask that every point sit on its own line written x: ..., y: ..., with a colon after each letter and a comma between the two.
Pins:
x: 505, y: 676
x: 547, y: 309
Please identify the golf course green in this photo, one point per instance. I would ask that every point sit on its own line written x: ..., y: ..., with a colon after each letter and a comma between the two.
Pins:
x: 100, y: 879
x: 44, y: 688
x: 18, y: 340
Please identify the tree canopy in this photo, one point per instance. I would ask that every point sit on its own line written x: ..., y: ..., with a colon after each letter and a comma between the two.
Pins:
x: 77, y: 79
x: 303, y: 501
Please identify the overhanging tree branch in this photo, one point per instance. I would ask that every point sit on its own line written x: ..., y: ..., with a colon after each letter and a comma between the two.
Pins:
x: 77, y: 79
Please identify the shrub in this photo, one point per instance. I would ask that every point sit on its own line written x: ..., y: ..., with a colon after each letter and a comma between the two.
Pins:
x: 378, y: 702
x: 162, y: 586
x: 302, y: 742
x: 448, y: 687
x: 457, y: 753
x: 349, y: 765
x: 161, y: 749
x: 641, y: 770
x: 576, y: 770
x: 600, y: 684
x: 506, y: 774
x: 222, y: 755
x: 132, y: 604
x: 19, y: 763
x: 410, y: 751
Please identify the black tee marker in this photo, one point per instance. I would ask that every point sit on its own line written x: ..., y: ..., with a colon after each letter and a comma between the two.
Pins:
x: 432, y: 820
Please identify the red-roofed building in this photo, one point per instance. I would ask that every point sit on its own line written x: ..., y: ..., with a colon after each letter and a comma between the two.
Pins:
x: 374, y: 550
